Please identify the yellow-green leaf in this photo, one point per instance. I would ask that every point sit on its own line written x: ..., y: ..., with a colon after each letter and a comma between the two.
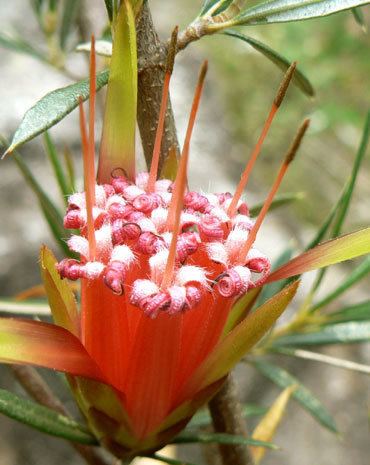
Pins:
x: 118, y: 139
x: 266, y: 428
x: 337, y: 250
x: 61, y: 298
x: 241, y: 339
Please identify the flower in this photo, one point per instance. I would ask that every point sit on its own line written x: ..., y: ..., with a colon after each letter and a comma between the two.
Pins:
x: 168, y: 277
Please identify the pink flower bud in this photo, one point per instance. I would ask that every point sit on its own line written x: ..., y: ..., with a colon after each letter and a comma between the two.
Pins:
x: 114, y: 276
x: 123, y: 231
x: 210, y: 228
x: 196, y: 201
x: 149, y: 243
x: 146, y: 203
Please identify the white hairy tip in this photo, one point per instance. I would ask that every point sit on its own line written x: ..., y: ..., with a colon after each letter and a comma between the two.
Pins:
x: 94, y: 269
x: 103, y: 237
x: 80, y: 245
x: 123, y: 254
x: 191, y: 273
x: 217, y: 252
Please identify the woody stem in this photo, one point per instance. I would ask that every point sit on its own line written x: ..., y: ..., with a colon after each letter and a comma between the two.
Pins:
x: 152, y: 56
x: 225, y: 408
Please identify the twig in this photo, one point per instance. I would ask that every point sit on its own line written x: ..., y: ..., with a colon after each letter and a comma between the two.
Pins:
x: 36, y: 387
x: 227, y: 417
x: 150, y: 82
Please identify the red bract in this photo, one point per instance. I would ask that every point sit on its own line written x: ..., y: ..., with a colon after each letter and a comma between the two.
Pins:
x: 161, y: 268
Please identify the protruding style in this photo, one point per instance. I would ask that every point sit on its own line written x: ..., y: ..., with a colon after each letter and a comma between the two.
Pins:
x: 257, y: 149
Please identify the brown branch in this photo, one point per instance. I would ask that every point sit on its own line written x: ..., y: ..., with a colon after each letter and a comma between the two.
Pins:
x: 36, y: 387
x: 152, y: 55
x: 227, y: 417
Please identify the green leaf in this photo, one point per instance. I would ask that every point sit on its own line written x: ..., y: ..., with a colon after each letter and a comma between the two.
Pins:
x: 109, y: 7
x: 70, y: 9
x: 277, y: 11
x: 301, y: 394
x: 52, y: 108
x: 328, y: 253
x: 208, y: 4
x: 341, y: 333
x: 203, y: 417
x: 299, y: 79
x: 117, y: 149
x: 279, y: 201
x: 60, y: 296
x: 241, y: 309
x: 357, y: 312
x: 357, y: 274
x: 359, y: 18
x: 43, y: 419
x: 242, y: 338
x: 17, y: 44
x: 51, y: 213
x: 24, y: 307
x: 219, y: 438
x: 59, y: 174
x: 341, y: 208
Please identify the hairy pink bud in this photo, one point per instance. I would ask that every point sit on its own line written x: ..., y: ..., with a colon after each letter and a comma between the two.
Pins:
x: 210, y: 228
x: 114, y: 276
x: 123, y: 231
x: 149, y: 243
x: 195, y: 201
x: 146, y: 203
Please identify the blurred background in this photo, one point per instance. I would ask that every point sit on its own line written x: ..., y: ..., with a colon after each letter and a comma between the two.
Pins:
x: 334, y: 53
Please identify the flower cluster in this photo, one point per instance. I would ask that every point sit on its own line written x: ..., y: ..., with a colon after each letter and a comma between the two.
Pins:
x: 133, y: 234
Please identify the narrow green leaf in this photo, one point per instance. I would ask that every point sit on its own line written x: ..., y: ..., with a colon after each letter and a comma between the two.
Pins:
x: 242, y: 338
x: 342, y: 206
x: 277, y: 11
x: 70, y: 169
x: 43, y: 419
x: 208, y: 4
x: 341, y: 333
x: 109, y: 7
x: 52, y: 108
x: 308, y: 401
x: 162, y: 458
x: 359, y: 18
x: 357, y: 312
x: 357, y: 274
x: 299, y: 79
x: 203, y: 417
x: 70, y: 9
x: 219, y: 438
x: 51, y: 213
x: 323, y: 358
x: 117, y: 149
x: 17, y: 44
x: 279, y: 201
x: 59, y: 174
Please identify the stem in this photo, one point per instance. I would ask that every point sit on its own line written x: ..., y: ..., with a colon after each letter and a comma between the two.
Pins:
x: 150, y: 84
x: 36, y: 387
x: 225, y: 408
x: 227, y: 417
